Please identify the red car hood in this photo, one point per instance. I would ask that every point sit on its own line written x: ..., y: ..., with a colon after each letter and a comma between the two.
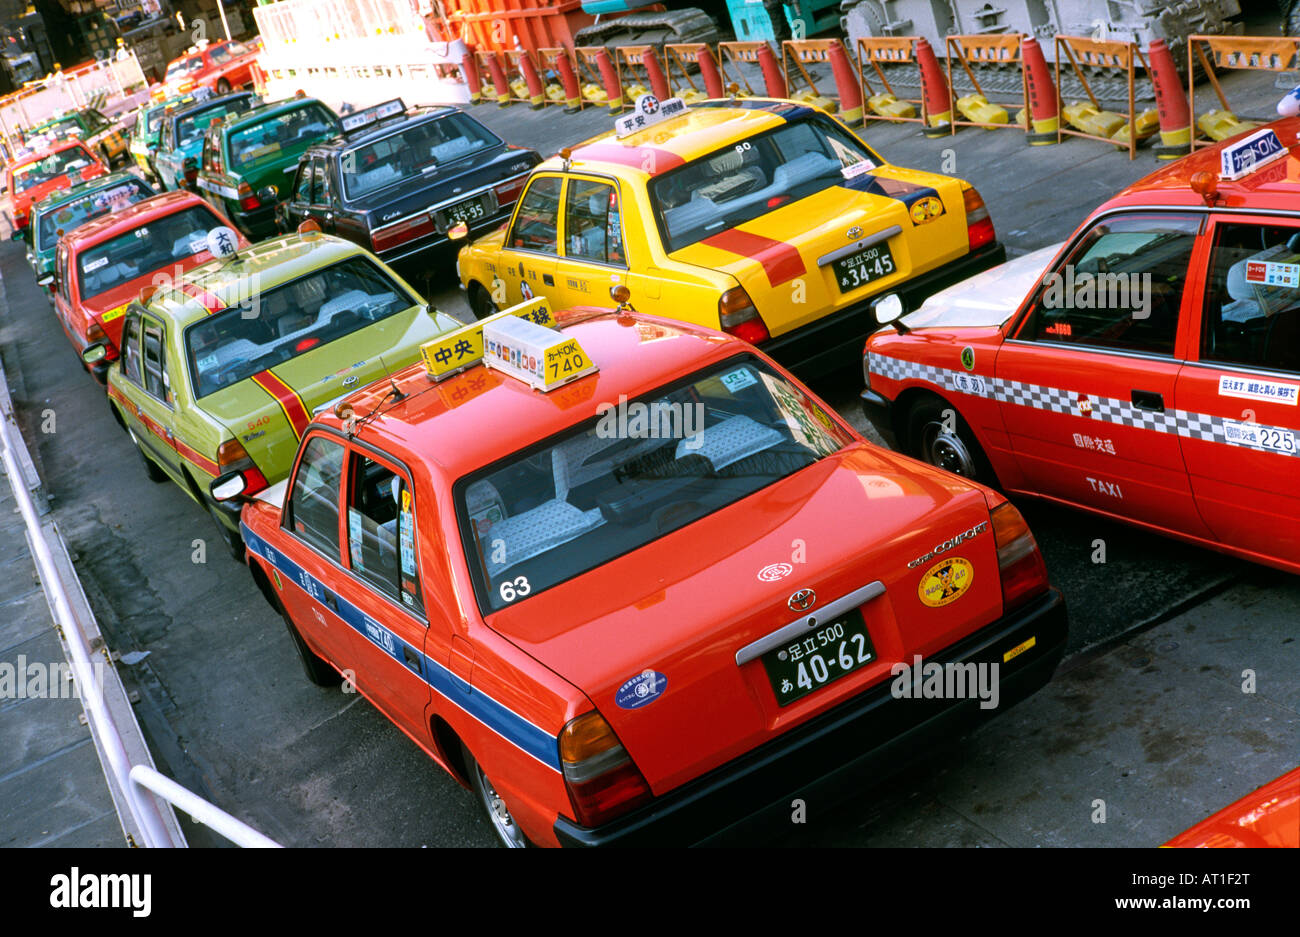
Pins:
x: 683, y: 605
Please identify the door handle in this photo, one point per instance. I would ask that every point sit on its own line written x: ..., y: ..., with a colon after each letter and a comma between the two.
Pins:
x: 411, y: 660
x: 331, y: 601
x: 1148, y: 400
x: 548, y: 280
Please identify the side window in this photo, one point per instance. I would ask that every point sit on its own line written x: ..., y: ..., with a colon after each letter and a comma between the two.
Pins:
x: 1120, y: 287
x: 314, y: 504
x: 307, y: 191
x: 591, y: 223
x: 1252, y: 298
x: 325, y: 194
x: 536, y: 223
x: 131, y: 348
x: 381, y: 531
x: 156, y: 382
x: 61, y: 267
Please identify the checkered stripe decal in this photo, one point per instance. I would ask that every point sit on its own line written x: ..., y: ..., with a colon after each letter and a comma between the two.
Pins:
x: 1181, y: 422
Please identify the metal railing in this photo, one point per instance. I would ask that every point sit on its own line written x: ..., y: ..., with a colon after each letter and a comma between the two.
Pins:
x: 139, y: 784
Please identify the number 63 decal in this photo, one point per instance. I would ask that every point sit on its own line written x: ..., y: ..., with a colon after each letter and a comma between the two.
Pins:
x: 515, y: 588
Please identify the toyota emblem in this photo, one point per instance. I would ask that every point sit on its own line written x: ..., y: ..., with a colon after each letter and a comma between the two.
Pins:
x: 854, y: 233
x: 802, y: 600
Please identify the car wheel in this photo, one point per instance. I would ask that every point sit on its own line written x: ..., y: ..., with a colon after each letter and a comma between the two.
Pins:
x: 480, y: 303
x: 150, y: 467
x: 223, y: 86
x: 937, y: 434
x: 316, y: 668
x: 498, y: 814
x: 232, y: 539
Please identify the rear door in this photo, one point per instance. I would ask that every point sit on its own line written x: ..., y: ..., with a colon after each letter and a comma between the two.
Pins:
x: 594, y: 248
x: 531, y: 248
x: 141, y: 410
x: 1238, y: 396
x: 157, y: 405
x: 383, y: 586
x: 1086, y: 386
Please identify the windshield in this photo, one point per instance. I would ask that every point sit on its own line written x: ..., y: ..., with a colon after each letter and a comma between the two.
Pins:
x: 411, y: 152
x: 181, y: 67
x: 78, y: 211
x: 634, y: 474
x: 59, y: 128
x: 265, y: 141
x: 142, y: 250
x: 291, y: 319
x: 194, y: 124
x: 53, y: 166
x: 751, y: 178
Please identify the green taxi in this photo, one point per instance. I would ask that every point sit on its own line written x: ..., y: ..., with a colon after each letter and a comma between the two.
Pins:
x: 65, y: 209
x: 222, y: 369
x: 88, y: 125
x: 147, y: 133
x: 250, y: 158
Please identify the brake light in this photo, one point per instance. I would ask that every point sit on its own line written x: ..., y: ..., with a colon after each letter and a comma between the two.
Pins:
x: 1020, y: 564
x: 509, y: 190
x: 738, y: 316
x: 979, y: 226
x: 230, y: 452
x: 402, y: 231
x: 248, y: 199
x: 603, y: 782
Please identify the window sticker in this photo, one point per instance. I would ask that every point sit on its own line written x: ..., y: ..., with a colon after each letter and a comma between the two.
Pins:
x: 207, y: 361
x: 1270, y: 273
x: 405, y: 539
x: 354, y: 538
x: 96, y: 264
x: 738, y: 379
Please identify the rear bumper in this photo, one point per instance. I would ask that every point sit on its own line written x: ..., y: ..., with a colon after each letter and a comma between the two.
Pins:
x: 836, y: 341
x: 844, y: 751
x: 879, y: 412
x: 407, y: 257
x: 258, y: 224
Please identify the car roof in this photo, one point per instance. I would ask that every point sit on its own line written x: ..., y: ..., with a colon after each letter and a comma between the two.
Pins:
x: 221, y: 283
x: 132, y: 216
x: 383, y: 128
x: 1273, y: 186
x: 704, y: 127
x: 208, y: 102
x: 444, y: 423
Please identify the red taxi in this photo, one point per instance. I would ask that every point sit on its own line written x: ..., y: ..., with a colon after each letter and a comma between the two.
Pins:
x: 30, y: 178
x: 1148, y: 371
x: 222, y: 67
x: 651, y: 604
x: 1268, y: 817
x: 100, y: 267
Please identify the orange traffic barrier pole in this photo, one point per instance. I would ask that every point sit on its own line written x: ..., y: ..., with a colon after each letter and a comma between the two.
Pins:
x: 628, y: 59
x: 559, y: 60
x: 1041, y: 96
x: 934, y: 92
x: 498, y: 77
x: 1255, y: 53
x: 609, y: 77
x: 523, y: 62
x: 469, y: 69
x: 805, y: 52
x: 1171, y: 102
x: 983, y: 51
x: 773, y: 76
x: 886, y: 105
x: 684, y: 54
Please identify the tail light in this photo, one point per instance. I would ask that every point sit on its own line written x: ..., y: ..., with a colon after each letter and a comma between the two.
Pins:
x: 738, y: 316
x: 1020, y: 564
x: 603, y: 782
x: 509, y: 190
x: 979, y: 226
x: 402, y: 231
x: 96, y: 333
x: 190, y: 169
x: 248, y: 199
x: 233, y: 457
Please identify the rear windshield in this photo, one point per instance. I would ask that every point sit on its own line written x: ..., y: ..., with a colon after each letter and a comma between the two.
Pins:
x: 185, y: 66
x: 411, y: 152
x: 68, y: 125
x: 741, y: 182
x: 193, y: 126
x: 264, y: 141
x: 289, y: 320
x: 142, y: 250
x: 634, y: 474
x: 78, y: 211
x: 53, y: 166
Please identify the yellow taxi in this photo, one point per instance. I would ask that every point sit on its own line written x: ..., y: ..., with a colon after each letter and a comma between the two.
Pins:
x: 765, y: 218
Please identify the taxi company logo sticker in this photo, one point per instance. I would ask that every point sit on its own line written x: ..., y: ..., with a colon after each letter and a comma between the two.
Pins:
x: 968, y: 358
x: 1250, y: 389
x: 926, y: 209
x: 775, y: 572
x: 945, y: 582
x: 641, y: 690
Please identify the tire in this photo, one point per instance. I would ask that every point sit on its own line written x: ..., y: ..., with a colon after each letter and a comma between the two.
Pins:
x: 151, y: 468
x: 937, y: 435
x: 223, y: 86
x: 232, y: 539
x: 480, y: 303
x: 503, y: 824
x: 316, y: 668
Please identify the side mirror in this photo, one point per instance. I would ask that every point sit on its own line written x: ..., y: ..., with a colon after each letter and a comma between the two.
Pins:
x: 46, y: 280
x: 228, y: 487
x: 17, y: 234
x: 94, y: 353
x: 458, y: 231
x: 268, y: 194
x: 888, y: 308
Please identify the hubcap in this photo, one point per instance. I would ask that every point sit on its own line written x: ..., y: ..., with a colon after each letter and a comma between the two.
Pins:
x: 944, y: 448
x: 499, y: 813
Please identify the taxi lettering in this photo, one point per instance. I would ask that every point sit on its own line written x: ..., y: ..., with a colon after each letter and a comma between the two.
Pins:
x: 1104, y: 487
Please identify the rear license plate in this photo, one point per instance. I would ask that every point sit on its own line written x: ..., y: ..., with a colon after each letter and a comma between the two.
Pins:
x: 820, y: 657
x: 466, y: 211
x: 874, y: 263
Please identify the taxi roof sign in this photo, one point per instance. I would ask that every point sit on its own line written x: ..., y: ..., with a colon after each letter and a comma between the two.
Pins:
x: 1250, y: 153
x: 649, y: 110
x: 538, y: 356
x: 463, y: 348
x: 372, y: 115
